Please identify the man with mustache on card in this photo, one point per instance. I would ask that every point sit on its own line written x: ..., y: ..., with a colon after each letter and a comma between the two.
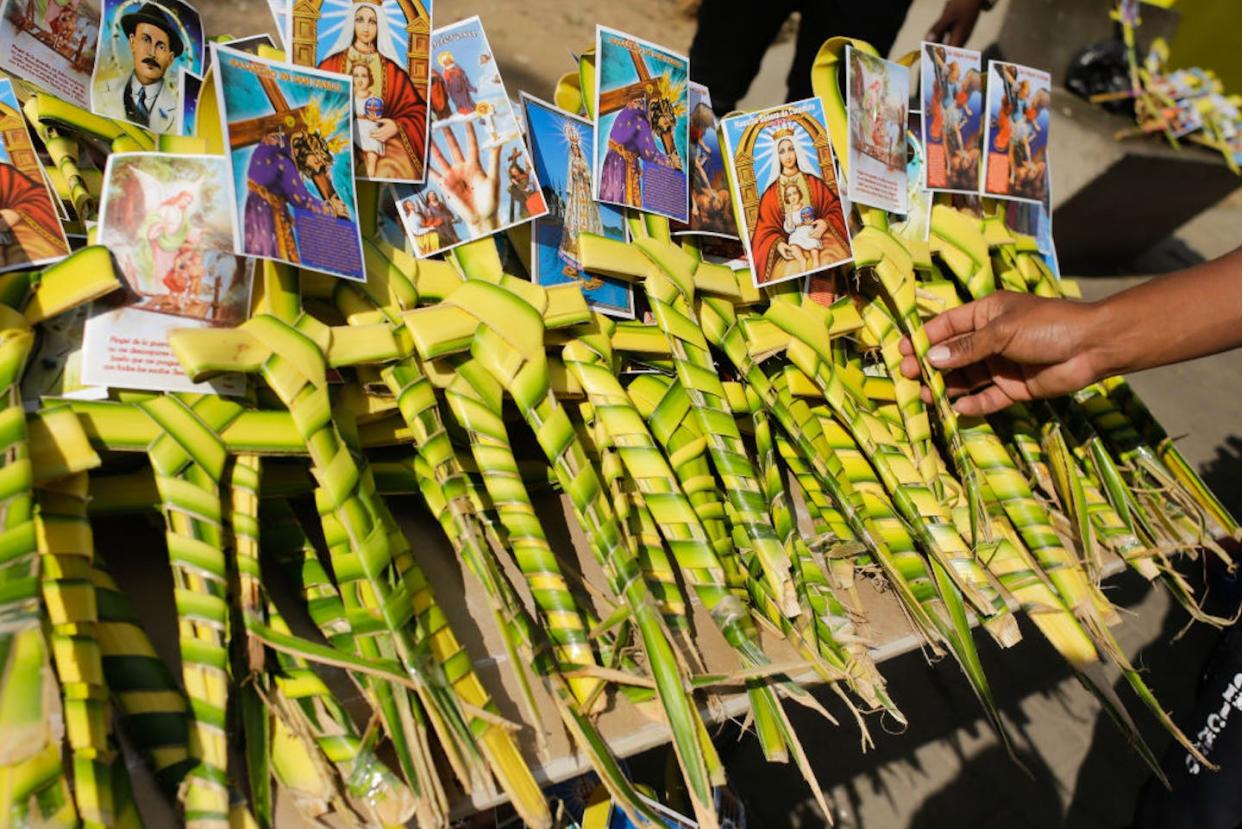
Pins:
x: 147, y: 94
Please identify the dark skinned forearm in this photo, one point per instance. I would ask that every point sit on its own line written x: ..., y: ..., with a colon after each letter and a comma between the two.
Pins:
x: 1188, y: 314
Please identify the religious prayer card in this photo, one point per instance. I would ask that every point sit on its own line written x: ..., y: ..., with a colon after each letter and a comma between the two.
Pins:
x: 915, y: 225
x: 384, y: 47
x: 479, y: 174
x: 642, y: 135
x: 823, y: 288
x: 1031, y: 219
x: 1015, y: 162
x: 1184, y: 118
x: 51, y: 44
x: 288, y: 130
x: 187, y: 107
x: 30, y: 228
x: 787, y: 201
x: 252, y: 43
x: 143, y: 46
x: 952, y: 123
x: 877, y: 99
x: 167, y: 222
x: 280, y: 13
x: 55, y: 366
x: 711, y: 205
x: 560, y: 145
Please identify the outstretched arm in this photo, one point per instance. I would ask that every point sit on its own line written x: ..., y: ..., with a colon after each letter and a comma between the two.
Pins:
x: 1011, y: 347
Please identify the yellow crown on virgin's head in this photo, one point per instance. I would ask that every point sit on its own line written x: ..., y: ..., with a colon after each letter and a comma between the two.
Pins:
x: 783, y: 130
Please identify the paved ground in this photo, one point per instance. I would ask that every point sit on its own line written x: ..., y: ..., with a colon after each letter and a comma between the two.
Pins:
x: 946, y: 770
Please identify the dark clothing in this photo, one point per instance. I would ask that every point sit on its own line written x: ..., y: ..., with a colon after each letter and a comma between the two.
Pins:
x: 1203, y: 799
x: 136, y: 110
x: 734, y: 35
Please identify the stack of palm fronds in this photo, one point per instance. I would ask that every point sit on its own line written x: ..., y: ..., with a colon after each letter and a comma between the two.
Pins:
x: 767, y: 458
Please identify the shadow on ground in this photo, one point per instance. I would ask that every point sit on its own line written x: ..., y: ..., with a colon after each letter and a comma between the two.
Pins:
x: 941, y: 774
x: 1223, y: 473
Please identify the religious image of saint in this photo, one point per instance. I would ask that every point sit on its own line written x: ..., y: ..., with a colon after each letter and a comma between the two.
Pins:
x: 792, y: 185
x: 631, y: 143
x: 1017, y: 163
x: 162, y: 234
x: 401, y: 127
x: 29, y: 227
x: 951, y: 81
x: 460, y: 89
x: 275, y: 185
x: 138, y: 79
x: 439, y: 97
x: 581, y: 210
x: 430, y: 221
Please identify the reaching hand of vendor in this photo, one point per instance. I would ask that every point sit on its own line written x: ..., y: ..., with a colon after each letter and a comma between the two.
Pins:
x: 1010, y: 347
x: 1006, y: 348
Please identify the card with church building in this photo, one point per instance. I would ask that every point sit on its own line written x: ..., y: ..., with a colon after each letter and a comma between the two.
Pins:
x: 384, y: 47
x: 479, y: 175
x: 786, y: 198
x: 560, y: 145
x: 142, y: 48
x: 52, y: 45
x: 642, y: 135
x: 31, y: 232
x: 288, y: 130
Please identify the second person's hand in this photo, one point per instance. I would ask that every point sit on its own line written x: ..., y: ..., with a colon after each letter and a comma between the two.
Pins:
x: 956, y: 22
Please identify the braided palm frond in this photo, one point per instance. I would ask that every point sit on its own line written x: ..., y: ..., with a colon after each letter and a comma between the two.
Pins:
x: 518, y: 363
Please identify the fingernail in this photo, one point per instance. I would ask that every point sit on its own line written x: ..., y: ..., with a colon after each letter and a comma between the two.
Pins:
x: 938, y: 354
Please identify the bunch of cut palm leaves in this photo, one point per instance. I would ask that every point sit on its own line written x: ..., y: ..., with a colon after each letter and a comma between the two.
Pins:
x: 767, y: 461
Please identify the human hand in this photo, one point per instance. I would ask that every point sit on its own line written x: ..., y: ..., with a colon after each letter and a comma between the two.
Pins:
x: 1009, y: 347
x: 784, y: 251
x: 956, y: 22
x: 10, y: 218
x: 386, y: 129
x: 470, y: 191
x: 338, y: 207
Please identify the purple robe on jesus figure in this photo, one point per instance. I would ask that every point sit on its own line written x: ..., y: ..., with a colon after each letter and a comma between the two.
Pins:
x: 629, y: 140
x: 275, y: 185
